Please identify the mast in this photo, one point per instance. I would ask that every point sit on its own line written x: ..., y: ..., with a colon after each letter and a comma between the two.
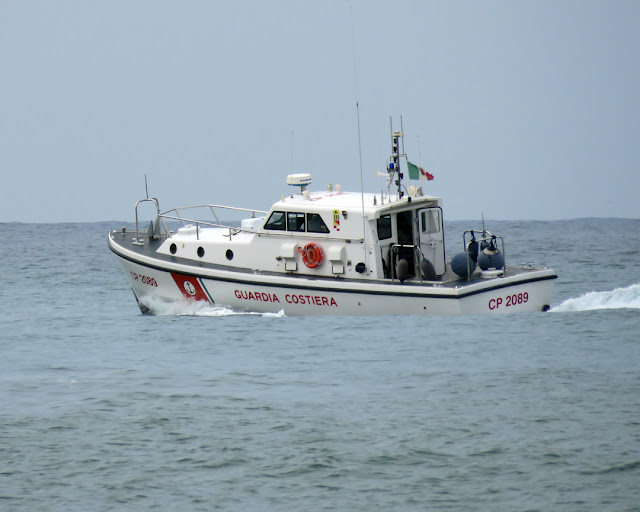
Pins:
x: 393, y: 167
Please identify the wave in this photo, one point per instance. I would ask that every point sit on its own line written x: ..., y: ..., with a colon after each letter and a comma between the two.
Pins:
x: 161, y: 307
x: 628, y: 297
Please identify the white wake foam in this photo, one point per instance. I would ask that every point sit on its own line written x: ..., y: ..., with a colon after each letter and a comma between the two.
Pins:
x: 161, y: 307
x: 628, y: 297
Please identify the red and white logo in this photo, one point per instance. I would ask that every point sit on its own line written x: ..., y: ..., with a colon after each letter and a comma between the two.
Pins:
x: 191, y: 290
x: 190, y: 287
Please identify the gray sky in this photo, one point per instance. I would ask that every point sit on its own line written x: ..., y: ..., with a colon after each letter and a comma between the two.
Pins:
x: 522, y: 110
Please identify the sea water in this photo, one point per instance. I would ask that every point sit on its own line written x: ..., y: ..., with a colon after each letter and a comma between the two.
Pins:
x: 202, y: 408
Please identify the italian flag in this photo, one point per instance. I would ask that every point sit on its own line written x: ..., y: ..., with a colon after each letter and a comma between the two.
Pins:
x: 418, y: 173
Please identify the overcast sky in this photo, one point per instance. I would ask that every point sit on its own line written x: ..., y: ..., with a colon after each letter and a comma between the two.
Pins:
x: 521, y: 110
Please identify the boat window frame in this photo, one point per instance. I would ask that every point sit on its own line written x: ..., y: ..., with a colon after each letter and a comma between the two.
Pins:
x: 276, y: 227
x: 284, y: 223
x: 435, y: 221
x: 316, y: 220
x: 294, y: 218
x: 390, y: 227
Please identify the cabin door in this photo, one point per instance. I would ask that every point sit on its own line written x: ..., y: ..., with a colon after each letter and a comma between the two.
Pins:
x: 431, y: 235
x: 404, y: 223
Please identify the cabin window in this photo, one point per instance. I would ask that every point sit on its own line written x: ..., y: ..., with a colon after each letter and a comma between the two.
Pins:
x: 276, y: 221
x: 295, y: 221
x: 315, y: 224
x: 430, y: 221
x: 384, y: 227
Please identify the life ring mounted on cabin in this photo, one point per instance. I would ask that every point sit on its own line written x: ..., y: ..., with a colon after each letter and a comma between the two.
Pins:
x: 311, y: 255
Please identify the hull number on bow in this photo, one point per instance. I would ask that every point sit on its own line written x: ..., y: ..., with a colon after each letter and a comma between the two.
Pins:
x: 509, y: 300
x: 144, y: 279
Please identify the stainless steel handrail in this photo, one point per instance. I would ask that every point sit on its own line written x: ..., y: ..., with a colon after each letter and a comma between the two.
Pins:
x: 138, y: 240
x: 234, y: 229
x: 212, y: 206
x: 218, y: 224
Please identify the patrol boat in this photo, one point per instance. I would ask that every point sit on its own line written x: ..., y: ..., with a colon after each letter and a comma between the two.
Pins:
x: 329, y: 252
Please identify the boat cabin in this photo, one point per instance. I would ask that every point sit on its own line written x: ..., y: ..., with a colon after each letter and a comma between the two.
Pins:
x: 359, y: 234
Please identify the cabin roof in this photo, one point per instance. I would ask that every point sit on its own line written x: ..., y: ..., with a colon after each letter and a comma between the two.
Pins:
x: 349, y: 201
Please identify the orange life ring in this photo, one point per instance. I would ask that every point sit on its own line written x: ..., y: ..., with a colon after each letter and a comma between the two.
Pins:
x: 311, y: 255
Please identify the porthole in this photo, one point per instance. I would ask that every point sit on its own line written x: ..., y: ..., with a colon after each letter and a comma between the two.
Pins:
x: 200, y: 252
x: 173, y: 248
x: 229, y: 254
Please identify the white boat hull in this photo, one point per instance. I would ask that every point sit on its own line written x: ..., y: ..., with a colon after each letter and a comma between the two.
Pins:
x: 153, y: 280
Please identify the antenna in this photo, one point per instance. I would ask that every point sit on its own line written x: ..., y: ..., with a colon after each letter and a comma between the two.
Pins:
x: 364, y: 225
x: 146, y: 189
x: 291, y: 151
x: 353, y: 51
x: 355, y: 86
